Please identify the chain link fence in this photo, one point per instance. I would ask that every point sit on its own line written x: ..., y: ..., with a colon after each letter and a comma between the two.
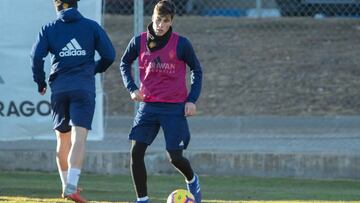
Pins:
x: 234, y: 8
x: 279, y: 57
x: 335, y: 8
x: 239, y: 8
x: 295, y: 60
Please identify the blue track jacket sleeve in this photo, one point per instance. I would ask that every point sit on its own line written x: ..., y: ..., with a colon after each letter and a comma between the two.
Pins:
x: 39, y: 51
x: 186, y: 53
x: 131, y: 53
x: 105, y: 49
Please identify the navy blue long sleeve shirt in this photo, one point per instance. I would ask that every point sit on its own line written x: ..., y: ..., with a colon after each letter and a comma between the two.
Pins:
x: 185, y: 52
x: 72, y: 41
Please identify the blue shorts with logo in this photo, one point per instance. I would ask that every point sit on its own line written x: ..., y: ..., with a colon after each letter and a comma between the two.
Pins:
x: 170, y: 117
x: 72, y: 108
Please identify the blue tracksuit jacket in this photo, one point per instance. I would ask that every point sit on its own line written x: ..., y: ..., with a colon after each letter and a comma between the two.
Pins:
x: 72, y: 41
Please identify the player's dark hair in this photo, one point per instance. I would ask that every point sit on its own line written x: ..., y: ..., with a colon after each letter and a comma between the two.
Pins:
x: 63, y: 4
x: 164, y: 8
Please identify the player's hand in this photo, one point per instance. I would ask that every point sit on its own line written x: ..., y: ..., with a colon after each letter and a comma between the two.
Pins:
x: 137, y: 96
x: 42, y: 88
x: 190, y: 109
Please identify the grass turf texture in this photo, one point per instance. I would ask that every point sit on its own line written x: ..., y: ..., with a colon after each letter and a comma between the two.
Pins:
x: 45, y: 187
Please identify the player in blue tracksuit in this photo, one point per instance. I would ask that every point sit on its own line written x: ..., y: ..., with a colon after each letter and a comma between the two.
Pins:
x: 164, y: 100
x: 72, y: 40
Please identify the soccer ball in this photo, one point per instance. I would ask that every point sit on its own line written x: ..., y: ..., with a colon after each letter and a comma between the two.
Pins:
x: 180, y: 196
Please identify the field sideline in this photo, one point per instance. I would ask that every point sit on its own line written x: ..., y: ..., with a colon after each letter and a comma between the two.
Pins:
x: 45, y: 187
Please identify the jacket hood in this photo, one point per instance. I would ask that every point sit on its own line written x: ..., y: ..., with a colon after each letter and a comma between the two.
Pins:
x: 69, y: 15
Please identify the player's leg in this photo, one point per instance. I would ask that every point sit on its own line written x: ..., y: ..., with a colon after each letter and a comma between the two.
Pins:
x: 138, y: 170
x: 183, y: 166
x: 77, y: 153
x: 82, y: 108
x: 75, y: 162
x: 144, y: 130
x: 177, y: 138
x: 60, y: 109
x: 181, y: 163
x: 62, y: 151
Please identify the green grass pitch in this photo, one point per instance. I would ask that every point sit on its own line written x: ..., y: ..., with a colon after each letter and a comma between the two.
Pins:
x: 34, y: 187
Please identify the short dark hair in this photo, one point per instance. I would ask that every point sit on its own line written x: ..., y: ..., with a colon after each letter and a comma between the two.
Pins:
x: 165, y: 7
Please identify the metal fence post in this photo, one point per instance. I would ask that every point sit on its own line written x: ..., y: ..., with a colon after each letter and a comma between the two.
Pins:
x: 258, y: 8
x: 138, y: 28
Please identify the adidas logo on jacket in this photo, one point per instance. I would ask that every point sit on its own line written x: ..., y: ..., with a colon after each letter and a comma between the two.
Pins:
x: 72, y: 48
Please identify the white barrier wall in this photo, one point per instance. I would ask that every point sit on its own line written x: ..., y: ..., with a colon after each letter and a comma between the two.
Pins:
x: 24, y: 114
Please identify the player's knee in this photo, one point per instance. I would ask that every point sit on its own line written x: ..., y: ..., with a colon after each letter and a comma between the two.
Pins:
x: 134, y: 153
x: 137, y: 152
x: 176, y: 159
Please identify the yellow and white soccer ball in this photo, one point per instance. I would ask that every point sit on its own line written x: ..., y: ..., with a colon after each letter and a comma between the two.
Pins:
x: 180, y: 196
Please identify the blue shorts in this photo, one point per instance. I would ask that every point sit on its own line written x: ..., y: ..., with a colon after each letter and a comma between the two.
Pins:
x: 72, y: 108
x: 147, y: 124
